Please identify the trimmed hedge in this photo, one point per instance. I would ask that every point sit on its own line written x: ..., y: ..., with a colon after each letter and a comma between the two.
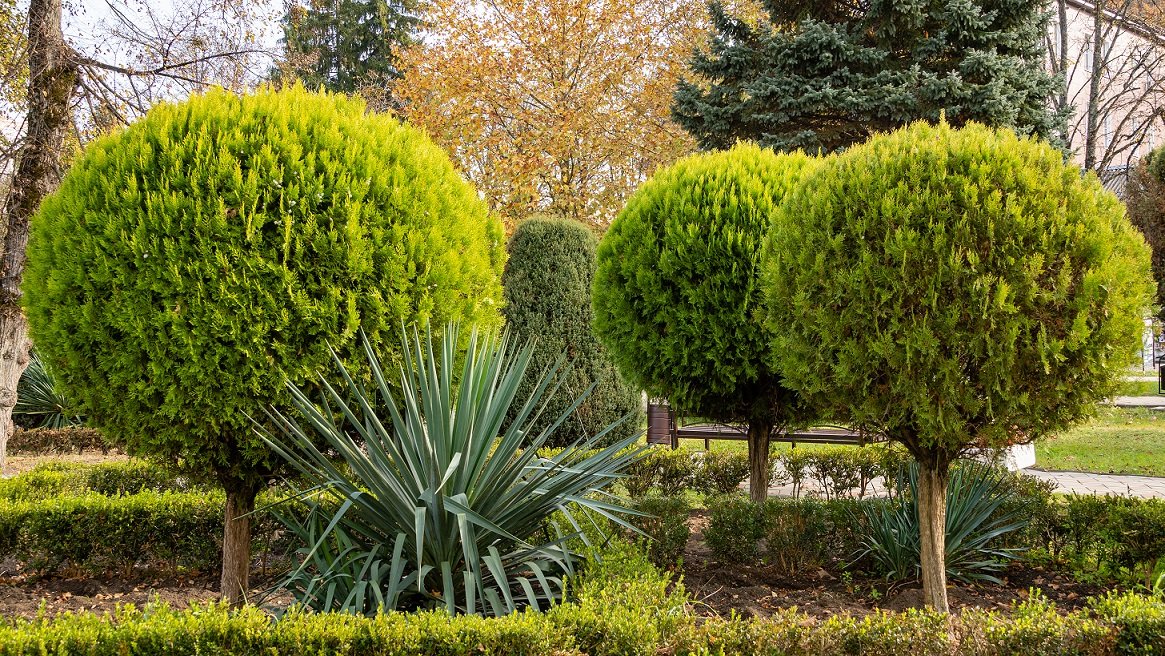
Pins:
x: 633, y: 613
x: 53, y: 479
x: 39, y: 441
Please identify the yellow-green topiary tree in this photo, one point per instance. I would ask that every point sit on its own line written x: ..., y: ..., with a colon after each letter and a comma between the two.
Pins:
x: 952, y: 289
x: 677, y: 291
x: 193, y: 264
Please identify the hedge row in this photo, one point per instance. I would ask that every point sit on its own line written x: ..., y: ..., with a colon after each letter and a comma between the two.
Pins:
x: 54, y: 479
x: 39, y: 441
x: 627, y: 609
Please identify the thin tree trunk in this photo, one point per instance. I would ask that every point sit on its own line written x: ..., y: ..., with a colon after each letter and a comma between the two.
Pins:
x: 932, y: 522
x: 759, y: 433
x: 52, y: 81
x: 1093, y: 119
x: 236, y: 542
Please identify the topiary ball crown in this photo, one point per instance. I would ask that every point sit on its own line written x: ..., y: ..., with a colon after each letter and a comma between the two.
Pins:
x: 192, y: 264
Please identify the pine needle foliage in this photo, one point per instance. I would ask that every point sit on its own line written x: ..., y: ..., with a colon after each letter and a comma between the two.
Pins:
x: 194, y: 262
x: 677, y: 286
x: 547, y: 284
x: 966, y: 286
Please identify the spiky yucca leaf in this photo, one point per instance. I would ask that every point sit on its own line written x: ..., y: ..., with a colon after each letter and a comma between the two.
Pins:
x: 435, y: 505
x: 38, y: 398
x: 974, y: 495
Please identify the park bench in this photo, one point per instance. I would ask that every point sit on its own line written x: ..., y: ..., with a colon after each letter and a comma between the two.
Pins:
x: 664, y: 428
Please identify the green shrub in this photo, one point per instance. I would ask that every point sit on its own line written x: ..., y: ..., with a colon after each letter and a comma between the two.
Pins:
x: 953, y: 288
x: 721, y: 472
x: 547, y: 285
x: 675, y: 470
x: 99, y: 533
x: 52, y: 479
x: 191, y: 265
x: 794, y: 469
x: 1139, y: 622
x: 436, y: 507
x: 796, y: 533
x: 1034, y: 627
x: 665, y: 524
x: 1110, y: 537
x: 836, y: 470
x: 735, y: 528
x: 676, y: 290
x: 887, y: 634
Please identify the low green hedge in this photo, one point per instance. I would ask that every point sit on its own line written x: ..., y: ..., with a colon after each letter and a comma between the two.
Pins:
x: 54, y: 479
x: 627, y: 611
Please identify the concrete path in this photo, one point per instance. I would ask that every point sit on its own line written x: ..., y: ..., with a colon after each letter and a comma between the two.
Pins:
x: 1066, y: 482
x: 1139, y: 401
x: 1088, y: 483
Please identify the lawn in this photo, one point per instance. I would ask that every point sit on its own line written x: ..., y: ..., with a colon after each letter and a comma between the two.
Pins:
x: 1117, y: 441
x: 1139, y: 388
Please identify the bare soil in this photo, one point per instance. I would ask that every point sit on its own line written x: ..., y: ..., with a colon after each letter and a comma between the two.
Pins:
x: 760, y: 590
x: 18, y: 464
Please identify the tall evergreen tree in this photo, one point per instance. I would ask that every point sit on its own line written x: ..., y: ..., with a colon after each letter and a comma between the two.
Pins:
x: 346, y: 45
x: 825, y: 75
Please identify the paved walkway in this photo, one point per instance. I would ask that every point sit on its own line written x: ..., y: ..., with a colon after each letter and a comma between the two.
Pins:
x: 1066, y: 482
x: 1139, y: 401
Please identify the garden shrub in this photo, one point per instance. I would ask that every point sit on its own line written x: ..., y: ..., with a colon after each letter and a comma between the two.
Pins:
x: 1108, y: 537
x: 670, y: 471
x: 547, y: 288
x: 796, y: 534
x: 51, y: 479
x: 193, y: 264
x: 46, y: 441
x: 665, y: 525
x: 677, y: 289
x: 1139, y: 622
x: 794, y: 468
x: 953, y: 288
x: 736, y: 526
x: 1034, y: 626
x: 721, y: 472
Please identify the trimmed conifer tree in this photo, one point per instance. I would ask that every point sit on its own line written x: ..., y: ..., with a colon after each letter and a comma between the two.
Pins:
x: 952, y: 289
x: 821, y: 76
x: 676, y: 292
x: 547, y: 286
x: 193, y: 265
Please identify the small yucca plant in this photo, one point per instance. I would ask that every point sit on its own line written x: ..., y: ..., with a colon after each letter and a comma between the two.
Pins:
x: 431, y: 503
x: 39, y: 400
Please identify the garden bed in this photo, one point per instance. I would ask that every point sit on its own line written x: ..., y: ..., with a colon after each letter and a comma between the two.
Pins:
x: 760, y: 591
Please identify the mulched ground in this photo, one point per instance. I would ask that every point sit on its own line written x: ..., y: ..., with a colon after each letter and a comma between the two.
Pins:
x: 759, y: 591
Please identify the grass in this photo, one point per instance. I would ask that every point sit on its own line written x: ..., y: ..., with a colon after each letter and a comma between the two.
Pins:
x: 1117, y: 441
x: 1138, y: 388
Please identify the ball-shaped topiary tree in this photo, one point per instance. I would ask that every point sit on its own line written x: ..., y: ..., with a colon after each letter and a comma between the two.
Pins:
x: 192, y: 265
x: 677, y: 290
x: 547, y: 287
x: 950, y: 289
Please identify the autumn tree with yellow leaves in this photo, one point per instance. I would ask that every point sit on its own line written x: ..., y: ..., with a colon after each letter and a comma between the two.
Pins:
x: 559, y: 108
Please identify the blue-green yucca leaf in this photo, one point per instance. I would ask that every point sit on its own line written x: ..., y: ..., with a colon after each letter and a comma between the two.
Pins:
x: 975, y: 495
x: 39, y: 399
x: 429, y: 465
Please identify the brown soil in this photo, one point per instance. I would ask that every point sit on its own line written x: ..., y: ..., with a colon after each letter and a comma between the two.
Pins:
x: 19, y: 464
x: 760, y: 590
x: 23, y: 597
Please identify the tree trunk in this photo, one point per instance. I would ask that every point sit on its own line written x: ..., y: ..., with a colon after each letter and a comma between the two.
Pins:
x: 932, y: 523
x: 1096, y: 71
x: 758, y: 459
x: 51, y: 83
x: 236, y: 542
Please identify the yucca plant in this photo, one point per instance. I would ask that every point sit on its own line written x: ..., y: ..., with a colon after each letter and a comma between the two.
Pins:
x: 977, y: 515
x: 420, y: 499
x: 39, y: 401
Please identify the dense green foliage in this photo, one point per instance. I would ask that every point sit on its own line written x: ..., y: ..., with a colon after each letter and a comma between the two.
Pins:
x: 622, y: 607
x: 677, y: 285
x: 439, y: 505
x: 547, y: 286
x: 981, y: 511
x: 954, y: 287
x: 663, y: 527
x: 347, y: 45
x: 192, y: 263
x: 1145, y: 196
x: 826, y: 75
x: 52, y: 479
